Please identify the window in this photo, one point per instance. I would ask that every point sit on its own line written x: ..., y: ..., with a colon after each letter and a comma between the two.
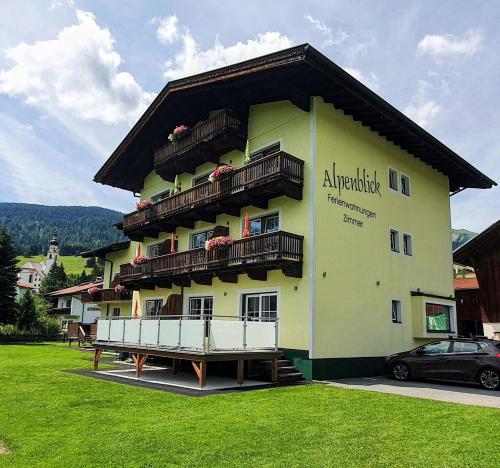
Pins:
x: 439, y: 347
x: 407, y: 247
x: 264, y: 152
x: 30, y: 279
x: 465, y: 347
x: 438, y: 318
x: 202, y: 305
x: 201, y: 179
x: 405, y: 185
x: 396, y: 311
x: 198, y: 239
x: 265, y: 224
x: 160, y: 196
x: 154, y: 250
x: 116, y: 312
x: 68, y: 303
x: 394, y: 236
x: 260, y: 306
x: 153, y: 307
x: 393, y: 179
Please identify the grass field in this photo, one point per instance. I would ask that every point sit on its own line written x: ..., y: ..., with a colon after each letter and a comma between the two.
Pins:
x: 50, y: 417
x: 72, y: 264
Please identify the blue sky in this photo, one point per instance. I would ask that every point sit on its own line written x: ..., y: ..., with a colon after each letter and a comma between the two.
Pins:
x: 75, y: 75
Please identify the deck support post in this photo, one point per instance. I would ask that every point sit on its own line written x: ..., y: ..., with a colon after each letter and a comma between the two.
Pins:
x: 274, y: 370
x: 200, y: 367
x: 175, y: 366
x: 97, y: 355
x: 139, y: 360
x: 241, y: 370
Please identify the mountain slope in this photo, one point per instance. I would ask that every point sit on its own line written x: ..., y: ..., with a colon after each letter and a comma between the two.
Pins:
x: 460, y: 236
x: 79, y: 227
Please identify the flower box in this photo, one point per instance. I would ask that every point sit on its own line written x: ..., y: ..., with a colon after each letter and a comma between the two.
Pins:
x: 140, y: 260
x: 120, y: 289
x: 218, y: 242
x: 143, y: 205
x: 221, y: 172
x: 179, y: 132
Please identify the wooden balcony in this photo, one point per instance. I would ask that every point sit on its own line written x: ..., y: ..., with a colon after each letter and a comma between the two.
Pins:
x: 208, y: 141
x: 253, y: 184
x: 253, y: 256
x: 107, y: 295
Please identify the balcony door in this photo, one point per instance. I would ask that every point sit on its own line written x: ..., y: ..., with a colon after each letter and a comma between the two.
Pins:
x: 200, y: 305
x: 260, y: 306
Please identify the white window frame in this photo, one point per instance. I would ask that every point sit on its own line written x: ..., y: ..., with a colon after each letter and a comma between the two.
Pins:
x: 243, y: 292
x: 188, y: 297
x: 399, y: 313
x: 263, y: 147
x: 146, y: 299
x: 197, y: 231
x: 453, y: 318
x: 160, y: 193
x: 261, y: 214
x: 407, y: 177
x: 113, y: 309
x: 153, y: 244
x: 389, y: 169
x: 391, y: 230
x: 200, y: 176
x: 407, y: 234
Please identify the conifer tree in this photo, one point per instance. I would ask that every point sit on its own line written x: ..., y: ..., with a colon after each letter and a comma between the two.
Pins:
x: 8, y: 278
x: 27, y: 315
x: 56, y: 279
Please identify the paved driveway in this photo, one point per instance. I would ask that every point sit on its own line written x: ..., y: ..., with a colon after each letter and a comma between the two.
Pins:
x: 454, y: 393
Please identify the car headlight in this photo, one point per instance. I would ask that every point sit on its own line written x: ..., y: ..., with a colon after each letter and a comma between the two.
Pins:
x: 390, y: 357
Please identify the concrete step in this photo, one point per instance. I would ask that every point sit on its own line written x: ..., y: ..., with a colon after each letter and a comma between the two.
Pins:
x: 291, y: 377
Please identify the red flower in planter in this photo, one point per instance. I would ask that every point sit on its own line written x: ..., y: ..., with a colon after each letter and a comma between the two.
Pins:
x: 94, y: 290
x: 120, y: 289
x: 142, y: 205
x: 140, y: 260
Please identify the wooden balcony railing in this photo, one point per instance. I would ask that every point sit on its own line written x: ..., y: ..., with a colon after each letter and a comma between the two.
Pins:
x: 275, y: 175
x: 206, y: 142
x: 263, y: 252
x: 107, y: 295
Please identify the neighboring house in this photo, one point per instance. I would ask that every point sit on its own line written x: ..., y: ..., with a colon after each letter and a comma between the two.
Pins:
x: 346, y: 255
x: 469, y: 313
x: 32, y: 273
x: 113, y: 303
x: 70, y: 308
x: 21, y: 288
x: 482, y: 253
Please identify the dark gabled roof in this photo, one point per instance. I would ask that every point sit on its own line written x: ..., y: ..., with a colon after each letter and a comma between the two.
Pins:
x: 484, y: 242
x: 102, y: 251
x: 295, y: 74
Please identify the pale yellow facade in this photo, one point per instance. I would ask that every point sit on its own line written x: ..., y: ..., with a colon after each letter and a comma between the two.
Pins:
x: 341, y: 307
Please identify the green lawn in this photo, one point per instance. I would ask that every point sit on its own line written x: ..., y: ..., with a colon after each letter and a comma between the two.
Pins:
x: 72, y: 264
x: 49, y: 417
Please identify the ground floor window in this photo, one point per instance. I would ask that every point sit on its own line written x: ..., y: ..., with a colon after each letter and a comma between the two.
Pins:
x: 153, y: 307
x: 438, y: 318
x: 116, y: 312
x: 260, y: 306
x: 202, y: 305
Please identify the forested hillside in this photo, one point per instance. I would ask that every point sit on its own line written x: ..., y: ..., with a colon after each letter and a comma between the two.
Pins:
x: 79, y: 227
x: 460, y: 236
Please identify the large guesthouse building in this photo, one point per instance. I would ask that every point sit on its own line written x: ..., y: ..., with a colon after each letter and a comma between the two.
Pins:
x: 292, y: 210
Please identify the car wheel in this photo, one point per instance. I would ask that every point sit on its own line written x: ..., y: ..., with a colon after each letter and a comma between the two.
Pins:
x: 400, y: 371
x: 489, y: 379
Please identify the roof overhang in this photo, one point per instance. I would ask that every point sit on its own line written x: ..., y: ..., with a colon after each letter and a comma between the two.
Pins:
x: 483, y: 243
x: 293, y: 74
x: 102, y: 251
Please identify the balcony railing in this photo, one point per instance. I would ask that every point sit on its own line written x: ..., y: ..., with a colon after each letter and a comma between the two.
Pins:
x: 263, y: 252
x: 208, y: 141
x: 107, y: 295
x: 202, y: 333
x: 275, y: 175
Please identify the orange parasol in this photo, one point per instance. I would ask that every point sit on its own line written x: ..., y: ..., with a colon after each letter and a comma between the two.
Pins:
x: 172, y: 244
x: 246, y: 226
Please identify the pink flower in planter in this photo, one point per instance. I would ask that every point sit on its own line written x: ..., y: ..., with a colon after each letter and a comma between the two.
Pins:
x: 139, y: 260
x: 215, y: 175
x: 94, y: 290
x: 143, y: 204
x: 120, y: 289
x: 178, y: 132
x: 220, y: 241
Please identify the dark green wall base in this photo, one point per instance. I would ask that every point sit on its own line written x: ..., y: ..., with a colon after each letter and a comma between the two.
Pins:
x: 334, y: 368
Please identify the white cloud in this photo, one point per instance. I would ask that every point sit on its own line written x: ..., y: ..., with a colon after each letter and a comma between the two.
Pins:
x: 438, y: 45
x: 77, y: 72
x: 332, y: 38
x: 370, y: 80
x: 37, y: 171
x: 61, y: 3
x: 192, y: 59
x: 423, y: 113
x: 167, y: 31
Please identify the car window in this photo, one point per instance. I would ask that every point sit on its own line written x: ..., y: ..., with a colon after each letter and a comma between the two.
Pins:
x: 436, y: 348
x: 464, y: 347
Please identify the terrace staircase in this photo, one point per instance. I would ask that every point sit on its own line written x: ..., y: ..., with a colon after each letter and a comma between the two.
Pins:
x: 287, y: 373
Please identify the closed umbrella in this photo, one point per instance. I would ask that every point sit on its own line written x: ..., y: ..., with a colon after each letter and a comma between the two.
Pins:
x: 247, y: 153
x: 246, y: 226
x: 177, y: 184
x: 135, y: 310
x: 172, y: 244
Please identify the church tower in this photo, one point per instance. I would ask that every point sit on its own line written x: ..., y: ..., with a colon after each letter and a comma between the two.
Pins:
x: 53, y: 252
